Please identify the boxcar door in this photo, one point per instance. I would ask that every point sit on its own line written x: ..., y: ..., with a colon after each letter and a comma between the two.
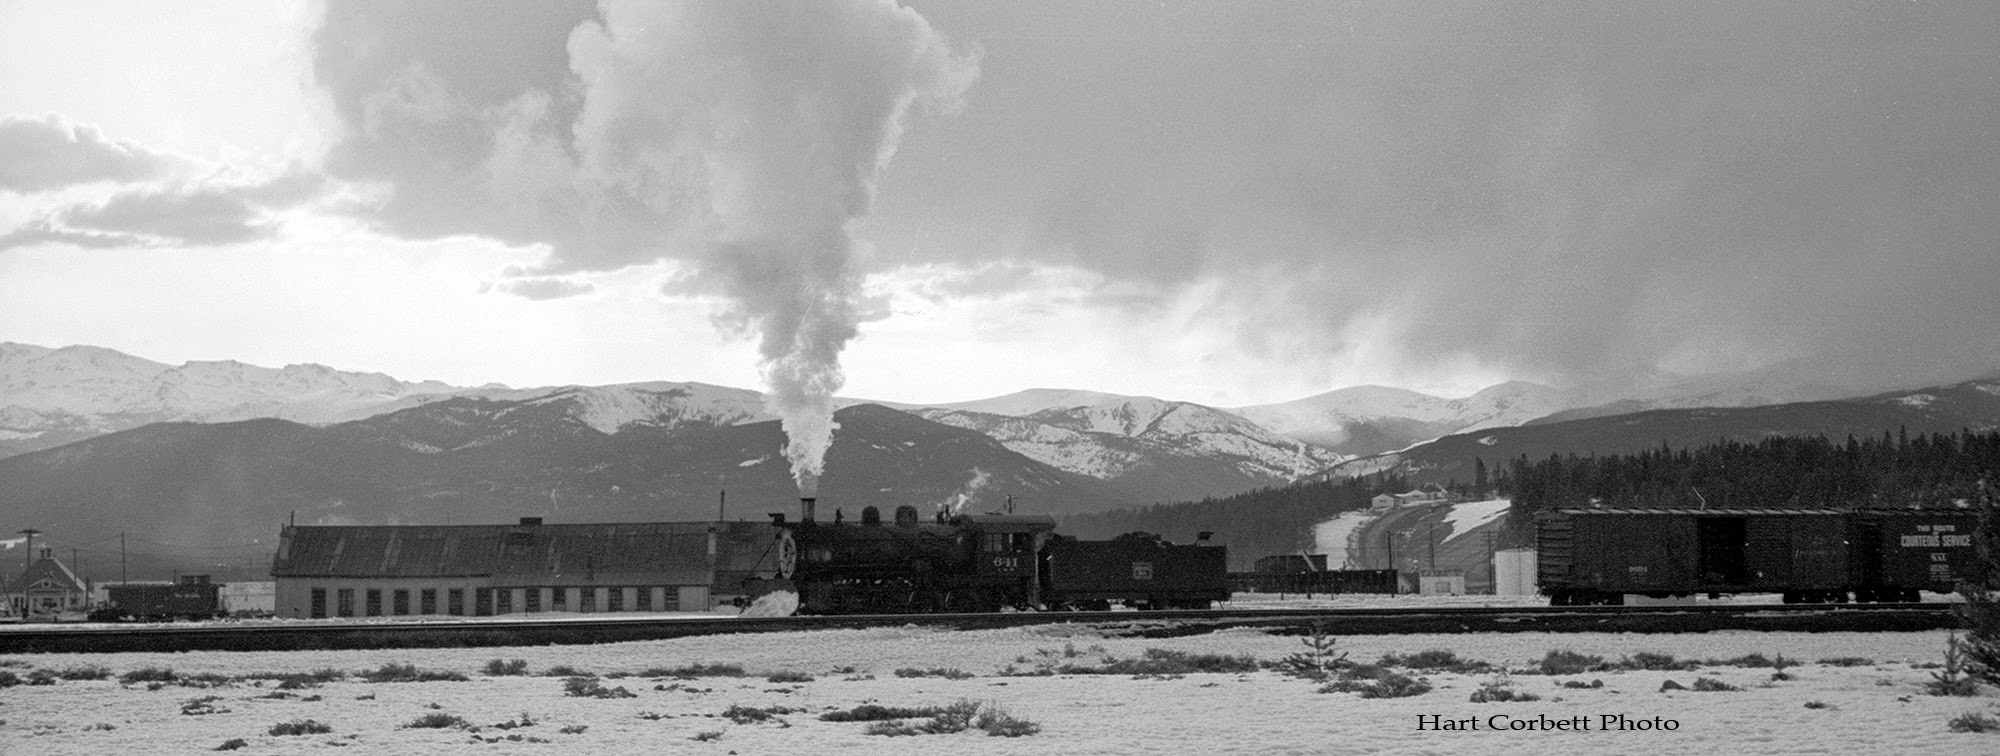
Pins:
x: 1721, y: 541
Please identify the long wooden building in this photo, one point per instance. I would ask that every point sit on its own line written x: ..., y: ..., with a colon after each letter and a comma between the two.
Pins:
x: 528, y: 567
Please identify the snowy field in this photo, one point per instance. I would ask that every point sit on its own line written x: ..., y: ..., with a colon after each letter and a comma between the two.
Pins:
x: 1876, y: 706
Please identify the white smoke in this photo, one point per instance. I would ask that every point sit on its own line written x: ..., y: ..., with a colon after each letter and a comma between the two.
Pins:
x: 744, y: 138
x: 956, y: 504
x: 759, y: 130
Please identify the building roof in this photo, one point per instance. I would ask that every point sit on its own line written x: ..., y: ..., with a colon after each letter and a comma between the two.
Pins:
x: 45, y: 574
x: 608, y: 553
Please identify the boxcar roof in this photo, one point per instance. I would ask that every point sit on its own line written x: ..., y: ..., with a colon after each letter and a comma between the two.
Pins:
x: 1686, y: 511
x: 671, y: 552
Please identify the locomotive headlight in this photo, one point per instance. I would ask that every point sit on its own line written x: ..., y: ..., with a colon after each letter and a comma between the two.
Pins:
x: 787, y: 554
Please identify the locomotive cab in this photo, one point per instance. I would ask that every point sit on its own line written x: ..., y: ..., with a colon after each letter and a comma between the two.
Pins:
x: 1008, y: 543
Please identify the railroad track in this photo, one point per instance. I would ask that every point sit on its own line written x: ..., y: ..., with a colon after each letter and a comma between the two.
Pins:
x: 481, y: 632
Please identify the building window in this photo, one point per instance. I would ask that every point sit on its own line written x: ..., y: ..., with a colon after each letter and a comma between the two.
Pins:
x: 615, y: 602
x: 319, y: 603
x: 503, y: 601
x: 427, y: 600
x: 670, y: 599
x: 374, y: 602
x: 399, y: 601
x: 454, y: 601
x: 344, y: 602
x: 559, y: 599
x: 586, y: 600
x: 482, y: 602
x: 645, y: 599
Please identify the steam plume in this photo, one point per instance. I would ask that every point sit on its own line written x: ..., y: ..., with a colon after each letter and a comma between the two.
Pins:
x: 779, y: 118
x: 743, y: 137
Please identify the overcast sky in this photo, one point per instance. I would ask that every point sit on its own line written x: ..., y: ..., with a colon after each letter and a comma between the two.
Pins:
x: 1226, y: 202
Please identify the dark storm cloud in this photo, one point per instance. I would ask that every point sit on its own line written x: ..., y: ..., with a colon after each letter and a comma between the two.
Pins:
x: 48, y: 153
x: 1575, y: 191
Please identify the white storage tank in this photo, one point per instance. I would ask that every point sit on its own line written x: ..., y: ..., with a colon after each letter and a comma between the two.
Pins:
x: 1514, y: 572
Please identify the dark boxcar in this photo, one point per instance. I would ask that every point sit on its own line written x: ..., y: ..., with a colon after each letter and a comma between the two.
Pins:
x: 1900, y: 552
x: 1599, y: 555
x: 1138, y: 569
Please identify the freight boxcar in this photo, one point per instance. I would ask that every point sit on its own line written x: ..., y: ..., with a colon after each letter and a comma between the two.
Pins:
x: 1899, y: 552
x: 1592, y: 556
x: 1597, y: 556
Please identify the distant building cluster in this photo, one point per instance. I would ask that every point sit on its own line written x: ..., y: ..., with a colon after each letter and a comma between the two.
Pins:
x: 1428, y: 494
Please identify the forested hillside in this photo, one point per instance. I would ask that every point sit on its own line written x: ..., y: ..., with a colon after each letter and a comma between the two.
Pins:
x: 1894, y: 470
x: 1259, y: 523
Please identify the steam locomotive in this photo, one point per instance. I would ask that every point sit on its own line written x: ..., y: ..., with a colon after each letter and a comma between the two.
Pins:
x: 985, y: 563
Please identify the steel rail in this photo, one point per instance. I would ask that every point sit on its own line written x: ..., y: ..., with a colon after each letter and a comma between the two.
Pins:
x: 487, y: 632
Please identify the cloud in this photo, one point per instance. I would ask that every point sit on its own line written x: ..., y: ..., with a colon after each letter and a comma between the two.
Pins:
x: 746, y: 138
x: 1561, y: 193
x: 546, y: 288
x: 40, y: 234
x: 1564, y: 193
x: 216, y: 212
x: 49, y: 153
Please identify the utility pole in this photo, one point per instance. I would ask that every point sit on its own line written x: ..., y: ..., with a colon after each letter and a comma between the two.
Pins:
x: 1492, y: 568
x: 1434, y: 543
x: 121, y: 558
x: 26, y: 564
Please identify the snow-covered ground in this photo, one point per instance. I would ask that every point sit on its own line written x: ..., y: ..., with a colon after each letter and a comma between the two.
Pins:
x: 1468, y: 515
x: 1332, y: 537
x: 1879, y: 706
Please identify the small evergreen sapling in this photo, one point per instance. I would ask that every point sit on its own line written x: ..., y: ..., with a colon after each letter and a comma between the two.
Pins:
x: 1981, y: 610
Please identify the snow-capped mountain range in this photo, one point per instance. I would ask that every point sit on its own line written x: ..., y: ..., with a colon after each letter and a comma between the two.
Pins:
x: 1167, y: 449
x: 1365, y: 420
x: 54, y: 396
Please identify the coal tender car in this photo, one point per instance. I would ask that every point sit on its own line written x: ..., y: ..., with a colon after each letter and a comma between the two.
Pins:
x: 984, y: 563
x: 1600, y: 555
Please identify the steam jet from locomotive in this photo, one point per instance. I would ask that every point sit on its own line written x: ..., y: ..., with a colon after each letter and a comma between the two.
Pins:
x: 983, y: 563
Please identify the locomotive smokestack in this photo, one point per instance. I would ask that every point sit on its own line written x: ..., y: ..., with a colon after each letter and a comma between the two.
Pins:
x: 806, y: 508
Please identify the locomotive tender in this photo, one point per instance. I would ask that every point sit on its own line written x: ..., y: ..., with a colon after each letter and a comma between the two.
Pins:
x: 1598, y: 556
x: 985, y: 563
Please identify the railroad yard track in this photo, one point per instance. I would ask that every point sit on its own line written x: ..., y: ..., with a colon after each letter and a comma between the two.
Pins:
x: 287, y: 636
